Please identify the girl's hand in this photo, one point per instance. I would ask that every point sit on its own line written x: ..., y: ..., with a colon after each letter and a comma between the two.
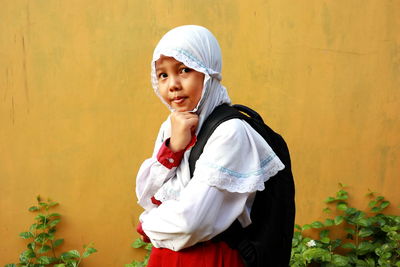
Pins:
x: 183, y: 126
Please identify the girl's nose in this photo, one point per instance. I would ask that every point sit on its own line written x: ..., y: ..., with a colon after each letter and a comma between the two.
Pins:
x: 174, y: 83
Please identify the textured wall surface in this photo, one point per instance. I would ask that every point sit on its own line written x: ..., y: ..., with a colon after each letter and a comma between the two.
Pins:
x: 78, y: 115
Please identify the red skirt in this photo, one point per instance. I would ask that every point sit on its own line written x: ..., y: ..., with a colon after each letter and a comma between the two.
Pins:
x: 206, y: 254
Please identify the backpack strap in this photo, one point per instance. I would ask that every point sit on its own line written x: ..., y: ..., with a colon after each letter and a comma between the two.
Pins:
x: 220, y: 114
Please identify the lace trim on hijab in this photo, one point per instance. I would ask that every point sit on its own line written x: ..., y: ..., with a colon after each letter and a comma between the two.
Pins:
x: 233, y: 181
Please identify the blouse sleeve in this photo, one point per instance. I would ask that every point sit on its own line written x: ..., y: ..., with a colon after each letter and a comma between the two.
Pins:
x: 155, y: 171
x: 151, y: 176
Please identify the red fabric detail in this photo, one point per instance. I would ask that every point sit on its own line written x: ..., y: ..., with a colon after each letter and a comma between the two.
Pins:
x: 167, y: 157
x: 192, y: 142
x: 139, y: 229
x: 156, y: 201
x: 207, y: 254
x: 171, y: 159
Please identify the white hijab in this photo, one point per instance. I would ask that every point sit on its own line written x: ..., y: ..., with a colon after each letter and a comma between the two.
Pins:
x: 198, y: 49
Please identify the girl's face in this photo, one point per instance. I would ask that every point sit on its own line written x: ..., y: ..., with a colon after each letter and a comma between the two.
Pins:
x: 179, y: 86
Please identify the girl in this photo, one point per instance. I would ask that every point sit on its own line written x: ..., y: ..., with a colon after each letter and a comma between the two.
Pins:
x: 183, y: 214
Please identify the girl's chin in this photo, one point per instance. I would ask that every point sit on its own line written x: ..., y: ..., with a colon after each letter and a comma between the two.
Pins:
x: 182, y: 108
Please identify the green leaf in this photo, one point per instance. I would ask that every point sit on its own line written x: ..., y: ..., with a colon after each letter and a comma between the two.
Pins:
x: 140, y: 243
x: 60, y: 265
x: 33, y: 227
x: 41, y: 218
x: 327, y: 210
x: 25, y: 256
x: 387, y: 255
x: 372, y: 203
x: 298, y: 227
x: 42, y: 238
x: 370, y: 262
x: 88, y: 252
x: 339, y: 260
x: 324, y: 233
x: 43, y: 204
x: 363, y: 222
x: 58, y: 242
x: 54, y: 222
x: 74, y: 253
x: 54, y: 215
x: 341, y: 192
x: 33, y: 208
x: 380, y: 198
x: 336, y: 243
x: 46, y: 260
x: 341, y: 206
x: 365, y: 247
x: 51, y: 236
x: 342, y: 197
x: 364, y: 232
x: 11, y: 265
x: 325, y: 240
x: 376, y: 209
x: 317, y: 254
x: 329, y: 222
x: 330, y: 199
x: 44, y: 249
x: 351, y: 211
x: 52, y: 204
x: 384, y: 204
x: 349, y: 246
x: 26, y: 235
x: 350, y: 231
x: 339, y: 219
x: 31, y: 246
x: 70, y: 255
x: 41, y: 226
x: 317, y: 224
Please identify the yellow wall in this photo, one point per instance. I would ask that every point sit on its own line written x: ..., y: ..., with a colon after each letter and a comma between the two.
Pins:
x: 78, y: 115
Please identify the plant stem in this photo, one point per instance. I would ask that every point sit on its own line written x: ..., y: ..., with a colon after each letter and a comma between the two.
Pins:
x: 52, y: 248
x: 357, y: 241
x: 357, y: 235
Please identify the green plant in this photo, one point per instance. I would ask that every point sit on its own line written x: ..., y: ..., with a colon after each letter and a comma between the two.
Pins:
x: 139, y: 243
x: 371, y: 238
x: 41, y: 248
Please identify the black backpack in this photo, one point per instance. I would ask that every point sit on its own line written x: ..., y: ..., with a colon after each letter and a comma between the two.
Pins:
x: 268, y: 240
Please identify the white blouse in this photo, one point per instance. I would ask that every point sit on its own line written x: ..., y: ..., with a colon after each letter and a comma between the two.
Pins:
x: 235, y: 163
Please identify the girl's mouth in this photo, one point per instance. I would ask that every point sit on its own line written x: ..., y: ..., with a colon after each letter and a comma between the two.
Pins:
x: 178, y: 100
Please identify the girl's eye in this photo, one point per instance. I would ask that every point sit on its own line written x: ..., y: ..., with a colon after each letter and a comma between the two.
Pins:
x: 186, y: 70
x: 162, y: 75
